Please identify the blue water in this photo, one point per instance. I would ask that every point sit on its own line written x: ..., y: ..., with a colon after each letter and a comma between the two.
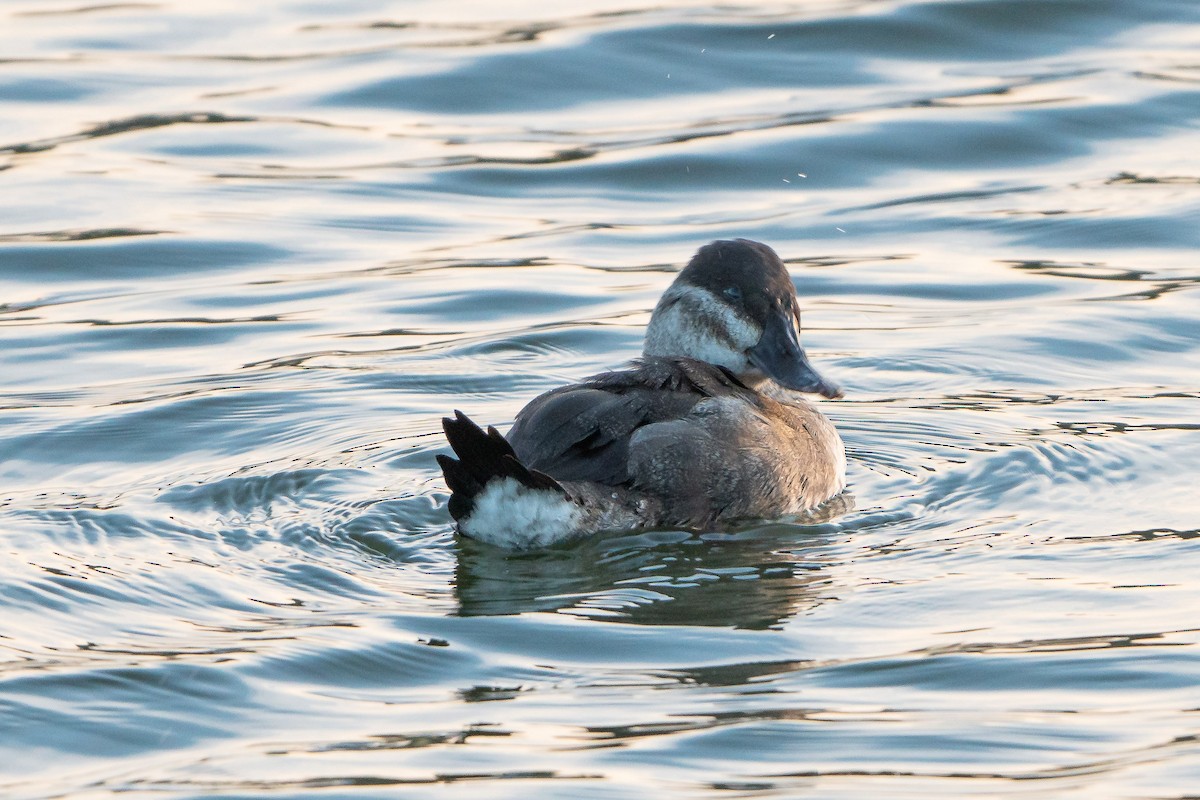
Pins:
x: 250, y: 253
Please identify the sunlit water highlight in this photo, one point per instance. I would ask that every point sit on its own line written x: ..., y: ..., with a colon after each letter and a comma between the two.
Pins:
x: 251, y: 253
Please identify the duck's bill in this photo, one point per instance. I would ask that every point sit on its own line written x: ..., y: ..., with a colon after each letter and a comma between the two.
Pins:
x: 779, y: 355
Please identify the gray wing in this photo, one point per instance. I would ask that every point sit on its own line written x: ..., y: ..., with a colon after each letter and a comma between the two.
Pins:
x: 582, y: 432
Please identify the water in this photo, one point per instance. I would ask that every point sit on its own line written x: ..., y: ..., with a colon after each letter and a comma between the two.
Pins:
x: 250, y: 253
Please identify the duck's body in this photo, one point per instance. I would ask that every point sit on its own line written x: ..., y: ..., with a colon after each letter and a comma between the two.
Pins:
x: 706, y: 428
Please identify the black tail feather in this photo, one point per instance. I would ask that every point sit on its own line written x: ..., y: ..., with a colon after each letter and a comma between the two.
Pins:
x: 482, y: 457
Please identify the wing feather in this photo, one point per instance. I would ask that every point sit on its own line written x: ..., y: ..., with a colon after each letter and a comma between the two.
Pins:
x: 582, y: 432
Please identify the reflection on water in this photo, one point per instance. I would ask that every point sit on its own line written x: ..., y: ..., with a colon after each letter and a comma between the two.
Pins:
x: 756, y: 578
x: 251, y: 253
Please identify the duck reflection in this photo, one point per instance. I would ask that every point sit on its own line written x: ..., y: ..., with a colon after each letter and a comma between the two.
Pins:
x: 755, y: 577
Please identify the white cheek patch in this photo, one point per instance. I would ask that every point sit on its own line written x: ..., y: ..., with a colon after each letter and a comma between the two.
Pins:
x: 511, y: 515
x: 684, y: 323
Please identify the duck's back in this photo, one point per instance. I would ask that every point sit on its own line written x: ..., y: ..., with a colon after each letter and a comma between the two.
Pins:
x: 688, y: 434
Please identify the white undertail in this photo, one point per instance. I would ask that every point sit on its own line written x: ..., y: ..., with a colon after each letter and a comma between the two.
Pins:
x: 512, y: 515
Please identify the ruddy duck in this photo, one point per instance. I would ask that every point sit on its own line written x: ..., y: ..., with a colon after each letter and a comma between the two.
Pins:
x: 707, y: 427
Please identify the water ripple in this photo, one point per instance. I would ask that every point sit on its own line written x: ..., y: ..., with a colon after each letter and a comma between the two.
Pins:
x: 251, y: 254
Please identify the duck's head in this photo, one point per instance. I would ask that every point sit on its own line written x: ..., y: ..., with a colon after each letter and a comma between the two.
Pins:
x: 734, y: 305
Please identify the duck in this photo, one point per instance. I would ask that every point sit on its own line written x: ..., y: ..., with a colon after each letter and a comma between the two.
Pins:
x: 710, y: 426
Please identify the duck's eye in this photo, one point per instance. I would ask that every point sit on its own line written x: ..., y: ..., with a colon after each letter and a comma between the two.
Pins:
x: 733, y: 293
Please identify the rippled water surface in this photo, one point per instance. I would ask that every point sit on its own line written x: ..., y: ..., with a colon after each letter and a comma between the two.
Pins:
x: 250, y: 253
